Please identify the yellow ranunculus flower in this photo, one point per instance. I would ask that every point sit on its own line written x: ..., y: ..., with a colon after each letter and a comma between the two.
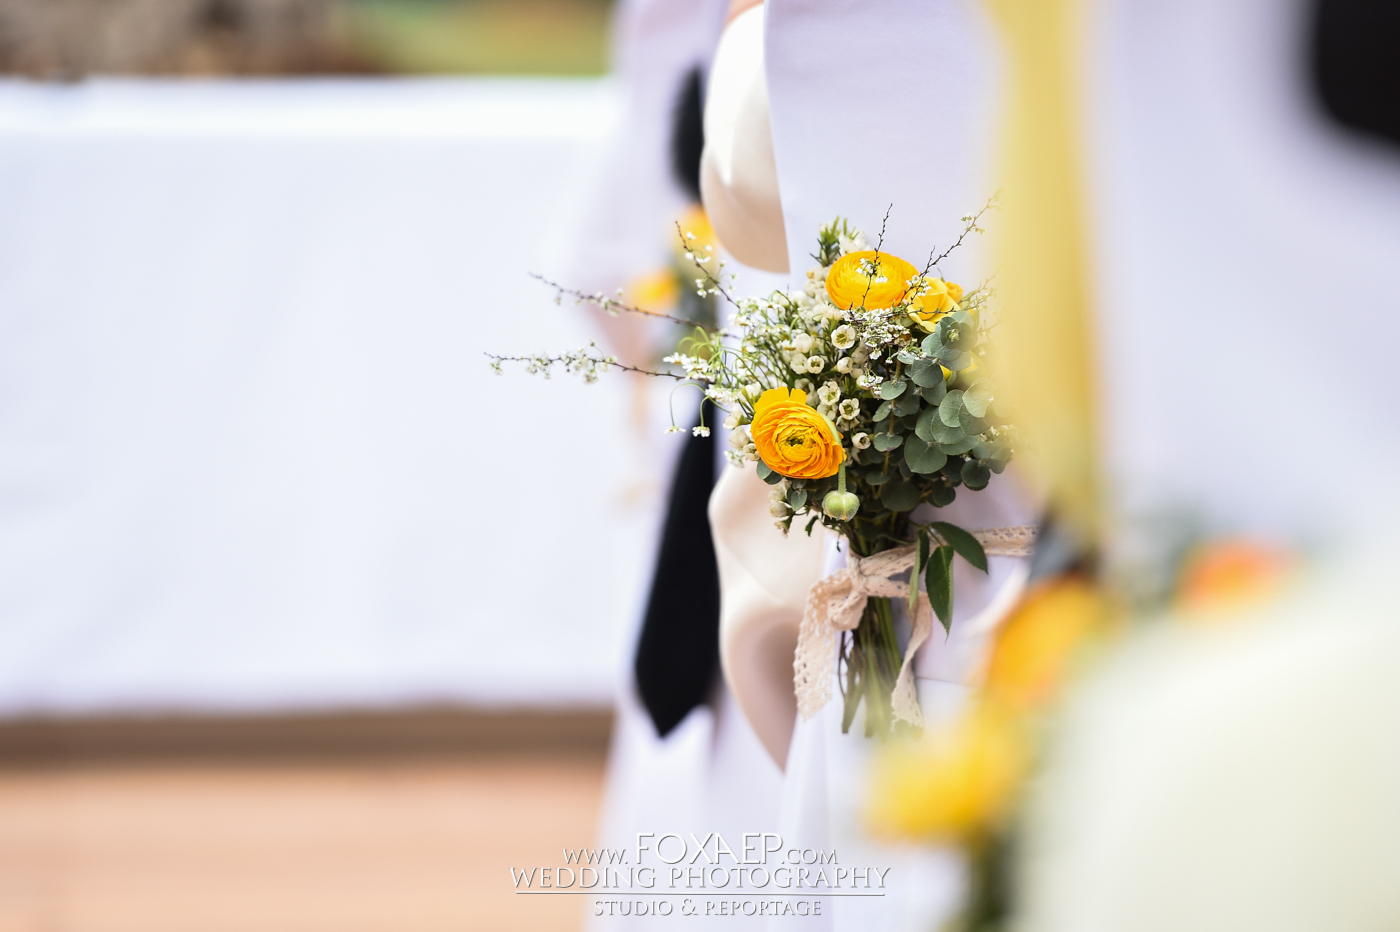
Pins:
x: 793, y: 438
x: 849, y: 286
x: 954, y: 785
x: 1036, y: 643
x: 932, y: 298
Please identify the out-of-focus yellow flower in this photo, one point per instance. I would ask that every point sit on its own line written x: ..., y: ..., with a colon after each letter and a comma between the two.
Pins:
x: 656, y: 292
x: 1231, y: 574
x: 868, y: 279
x: 793, y: 438
x: 1036, y: 643
x: 932, y: 298
x: 954, y: 785
x: 697, y: 222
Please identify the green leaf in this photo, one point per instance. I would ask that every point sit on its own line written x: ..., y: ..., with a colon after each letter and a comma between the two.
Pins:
x: 887, y: 442
x: 970, y: 423
x: 923, y: 457
x: 907, y: 404
x: 906, y: 357
x: 954, y: 358
x: 938, y: 580
x: 950, y: 408
x: 935, y: 392
x: 899, y: 495
x: 964, y: 543
x: 959, y: 446
x: 883, y: 411
x: 927, y: 375
x: 942, y: 495
x: 797, y: 498
x: 876, y: 476
x: 977, y: 397
x: 931, y: 344
x: 924, y: 426
x: 976, y: 474
x: 768, y: 474
x: 920, y: 554
x: 891, y: 390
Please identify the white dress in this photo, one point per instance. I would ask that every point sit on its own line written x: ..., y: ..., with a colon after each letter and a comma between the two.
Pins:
x: 875, y: 107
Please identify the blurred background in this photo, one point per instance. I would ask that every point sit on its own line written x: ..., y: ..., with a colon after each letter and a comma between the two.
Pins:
x: 297, y: 629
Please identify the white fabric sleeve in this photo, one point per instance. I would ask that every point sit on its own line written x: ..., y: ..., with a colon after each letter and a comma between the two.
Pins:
x: 738, y: 175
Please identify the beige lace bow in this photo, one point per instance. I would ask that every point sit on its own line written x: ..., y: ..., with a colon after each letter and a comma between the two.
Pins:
x: 836, y: 603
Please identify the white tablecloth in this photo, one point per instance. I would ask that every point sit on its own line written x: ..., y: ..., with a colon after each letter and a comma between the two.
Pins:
x: 251, y: 455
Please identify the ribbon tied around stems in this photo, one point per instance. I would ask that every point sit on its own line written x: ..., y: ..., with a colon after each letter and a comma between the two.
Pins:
x: 837, y: 602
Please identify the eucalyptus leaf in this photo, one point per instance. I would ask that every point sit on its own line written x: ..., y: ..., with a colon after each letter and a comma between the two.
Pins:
x: 976, y: 474
x: 891, y: 390
x: 763, y: 470
x: 938, y: 580
x: 934, y: 393
x: 942, y: 433
x: 923, y: 457
x: 950, y: 408
x: 970, y: 423
x: 924, y: 426
x: 887, y: 442
x: 899, y: 495
x: 931, y: 344
x: 955, y: 358
x: 906, y: 357
x: 963, y: 542
x: 876, y: 477
x: 907, y: 404
x: 905, y: 471
x: 977, y: 397
x: 797, y: 498
x: 941, y: 495
x: 884, y: 410
x: 959, y: 446
x: 927, y: 376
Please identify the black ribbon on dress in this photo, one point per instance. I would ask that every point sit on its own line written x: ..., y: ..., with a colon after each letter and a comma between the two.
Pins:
x: 1355, y: 51
x: 678, y: 651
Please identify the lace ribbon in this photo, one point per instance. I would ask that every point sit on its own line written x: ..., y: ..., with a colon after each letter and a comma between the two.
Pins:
x: 836, y: 603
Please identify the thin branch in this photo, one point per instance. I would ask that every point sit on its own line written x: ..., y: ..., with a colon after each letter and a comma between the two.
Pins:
x: 605, y: 362
x: 710, y: 279
x: 971, y: 225
x: 613, y: 305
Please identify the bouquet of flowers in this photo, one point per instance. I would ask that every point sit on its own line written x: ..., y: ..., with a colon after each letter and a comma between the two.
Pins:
x: 860, y: 397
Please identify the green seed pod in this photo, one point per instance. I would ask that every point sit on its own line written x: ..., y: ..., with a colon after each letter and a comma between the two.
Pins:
x: 841, y: 505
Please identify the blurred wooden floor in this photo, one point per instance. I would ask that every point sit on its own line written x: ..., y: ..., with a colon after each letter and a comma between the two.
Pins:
x: 408, y: 841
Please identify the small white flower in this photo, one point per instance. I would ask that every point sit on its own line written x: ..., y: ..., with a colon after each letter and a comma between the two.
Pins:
x: 815, y: 364
x: 850, y: 409
x: 843, y: 337
x: 732, y: 421
x: 805, y: 385
x: 752, y: 391
x: 829, y: 393
x: 827, y: 411
x: 699, y: 431
x: 739, y: 438
x: 778, y: 508
x: 803, y: 343
x: 673, y: 429
x: 860, y: 441
x: 861, y: 354
x: 798, y: 363
x: 751, y: 453
x: 843, y: 365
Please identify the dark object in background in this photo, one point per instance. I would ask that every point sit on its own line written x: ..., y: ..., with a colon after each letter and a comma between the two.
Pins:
x: 688, y: 133
x: 678, y: 651
x: 68, y: 39
x: 1355, y: 52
